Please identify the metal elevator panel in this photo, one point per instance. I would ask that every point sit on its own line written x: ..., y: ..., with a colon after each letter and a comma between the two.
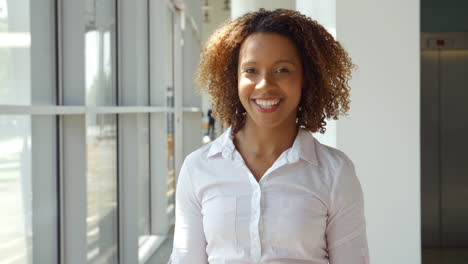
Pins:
x: 444, y: 139
x: 444, y: 146
x: 454, y: 147
x: 430, y: 190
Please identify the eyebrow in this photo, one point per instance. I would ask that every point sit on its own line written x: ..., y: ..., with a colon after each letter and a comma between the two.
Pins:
x: 278, y: 61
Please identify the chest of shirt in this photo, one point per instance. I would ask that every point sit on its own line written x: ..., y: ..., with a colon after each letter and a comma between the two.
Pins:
x: 285, y: 212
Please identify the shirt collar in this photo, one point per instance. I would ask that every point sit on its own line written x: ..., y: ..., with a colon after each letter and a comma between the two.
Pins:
x: 304, y: 147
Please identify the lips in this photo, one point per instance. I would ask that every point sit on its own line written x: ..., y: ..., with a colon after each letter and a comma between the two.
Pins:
x: 266, y: 105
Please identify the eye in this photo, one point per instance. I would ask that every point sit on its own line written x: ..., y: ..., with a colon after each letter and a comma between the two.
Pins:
x: 280, y: 70
x: 249, y: 70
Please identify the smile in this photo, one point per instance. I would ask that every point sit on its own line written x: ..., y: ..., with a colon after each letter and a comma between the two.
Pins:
x: 266, y: 105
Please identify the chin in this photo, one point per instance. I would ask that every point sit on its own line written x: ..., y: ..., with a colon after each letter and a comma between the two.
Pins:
x: 270, y: 125
x: 272, y: 122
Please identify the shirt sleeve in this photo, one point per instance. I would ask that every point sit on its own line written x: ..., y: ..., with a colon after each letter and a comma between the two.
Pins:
x: 189, y: 238
x: 346, y: 228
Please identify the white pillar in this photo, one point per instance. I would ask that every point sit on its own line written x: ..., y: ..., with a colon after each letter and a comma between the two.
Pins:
x: 324, y: 12
x: 240, y: 7
x: 382, y: 133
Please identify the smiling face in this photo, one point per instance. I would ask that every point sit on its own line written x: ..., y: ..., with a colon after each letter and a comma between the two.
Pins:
x: 269, y: 80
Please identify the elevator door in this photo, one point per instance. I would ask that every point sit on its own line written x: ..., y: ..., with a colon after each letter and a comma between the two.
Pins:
x: 444, y: 139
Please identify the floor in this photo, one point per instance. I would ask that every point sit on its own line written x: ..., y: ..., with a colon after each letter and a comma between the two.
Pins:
x: 445, y: 256
x: 161, y: 256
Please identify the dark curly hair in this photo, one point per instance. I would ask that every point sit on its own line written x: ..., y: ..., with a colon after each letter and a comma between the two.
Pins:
x: 326, y: 67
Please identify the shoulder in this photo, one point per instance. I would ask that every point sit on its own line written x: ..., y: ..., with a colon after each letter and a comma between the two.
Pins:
x: 330, y: 157
x: 198, y: 155
x: 191, y: 166
x: 335, y: 164
x: 344, y: 184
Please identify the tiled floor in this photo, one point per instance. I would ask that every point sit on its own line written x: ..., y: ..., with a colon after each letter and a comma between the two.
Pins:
x: 445, y: 256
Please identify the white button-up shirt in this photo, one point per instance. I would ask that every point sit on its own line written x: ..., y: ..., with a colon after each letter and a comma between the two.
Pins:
x: 306, y: 208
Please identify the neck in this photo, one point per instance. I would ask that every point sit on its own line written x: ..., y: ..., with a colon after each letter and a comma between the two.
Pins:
x: 262, y: 141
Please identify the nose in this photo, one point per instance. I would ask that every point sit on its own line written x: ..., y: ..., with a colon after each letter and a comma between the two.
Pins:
x: 265, y: 81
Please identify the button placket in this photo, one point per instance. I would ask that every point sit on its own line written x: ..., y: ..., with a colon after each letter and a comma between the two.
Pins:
x: 255, y: 222
x: 254, y: 227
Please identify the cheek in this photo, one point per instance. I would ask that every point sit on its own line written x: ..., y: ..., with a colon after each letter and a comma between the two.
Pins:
x: 298, y: 86
x: 244, y: 89
x: 295, y: 94
x: 293, y: 88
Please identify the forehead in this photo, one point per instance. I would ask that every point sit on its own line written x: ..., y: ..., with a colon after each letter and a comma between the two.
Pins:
x: 267, y: 46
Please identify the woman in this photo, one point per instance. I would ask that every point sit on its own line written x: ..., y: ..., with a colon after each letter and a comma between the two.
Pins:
x: 266, y: 191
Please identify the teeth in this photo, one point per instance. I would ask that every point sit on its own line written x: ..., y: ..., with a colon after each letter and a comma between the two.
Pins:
x: 267, y: 103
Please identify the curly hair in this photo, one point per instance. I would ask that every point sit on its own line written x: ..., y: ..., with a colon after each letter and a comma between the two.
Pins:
x: 326, y: 67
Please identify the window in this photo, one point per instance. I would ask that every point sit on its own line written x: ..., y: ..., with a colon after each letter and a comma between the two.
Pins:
x: 28, y: 143
x: 92, y: 127
x: 15, y: 189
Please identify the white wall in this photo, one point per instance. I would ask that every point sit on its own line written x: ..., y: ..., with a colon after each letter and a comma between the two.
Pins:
x: 323, y: 11
x: 381, y: 135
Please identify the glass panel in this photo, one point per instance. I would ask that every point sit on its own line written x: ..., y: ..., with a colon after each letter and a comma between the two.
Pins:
x: 161, y: 55
x: 15, y: 48
x: 169, y: 77
x: 26, y: 52
x: 192, y: 134
x: 169, y: 51
x: 170, y: 162
x: 15, y: 190
x: 101, y: 149
x: 144, y: 177
x: 100, y: 52
x: 133, y: 51
x: 162, y: 161
x: 190, y: 61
